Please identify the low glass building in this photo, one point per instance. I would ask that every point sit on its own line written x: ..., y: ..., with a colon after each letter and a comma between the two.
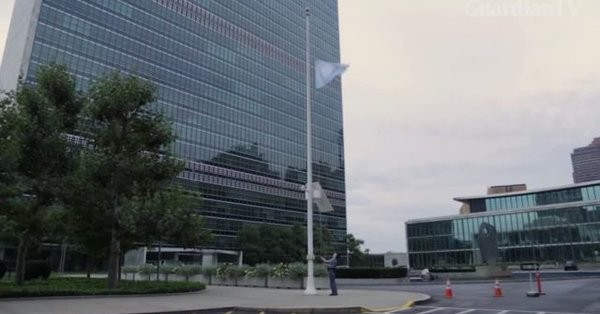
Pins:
x: 545, y: 225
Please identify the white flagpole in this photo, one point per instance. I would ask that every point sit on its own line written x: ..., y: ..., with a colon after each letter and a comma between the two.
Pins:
x: 310, y: 280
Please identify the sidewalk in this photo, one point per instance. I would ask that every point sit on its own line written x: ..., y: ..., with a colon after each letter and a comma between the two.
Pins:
x: 213, y: 297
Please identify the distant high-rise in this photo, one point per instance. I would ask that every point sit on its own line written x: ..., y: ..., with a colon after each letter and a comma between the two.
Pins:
x: 230, y: 76
x: 586, y: 162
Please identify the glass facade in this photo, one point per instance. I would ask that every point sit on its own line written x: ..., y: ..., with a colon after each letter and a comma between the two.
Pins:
x: 230, y: 77
x: 550, y: 233
x: 586, y: 162
x: 529, y: 200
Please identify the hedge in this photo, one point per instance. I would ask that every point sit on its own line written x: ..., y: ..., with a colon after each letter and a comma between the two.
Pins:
x: 397, y: 272
x: 93, y: 286
x: 37, y: 269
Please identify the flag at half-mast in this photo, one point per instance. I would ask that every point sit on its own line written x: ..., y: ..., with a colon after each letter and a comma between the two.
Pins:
x: 325, y: 72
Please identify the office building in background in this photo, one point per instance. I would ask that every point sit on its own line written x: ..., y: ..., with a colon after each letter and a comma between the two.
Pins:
x: 586, y: 162
x: 230, y: 76
x: 547, y: 225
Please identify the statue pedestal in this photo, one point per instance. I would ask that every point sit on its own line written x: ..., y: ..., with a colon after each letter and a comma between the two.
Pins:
x: 481, y: 272
x: 487, y: 271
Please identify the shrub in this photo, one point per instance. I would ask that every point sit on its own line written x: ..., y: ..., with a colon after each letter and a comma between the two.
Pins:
x: 167, y: 269
x: 209, y: 272
x: 130, y: 270
x: 321, y: 270
x: 397, y: 272
x: 148, y: 269
x: 94, y: 286
x: 189, y: 270
x: 222, y: 271
x: 3, y: 269
x: 297, y: 271
x: 280, y: 270
x: 262, y: 271
x: 235, y: 272
x: 37, y: 269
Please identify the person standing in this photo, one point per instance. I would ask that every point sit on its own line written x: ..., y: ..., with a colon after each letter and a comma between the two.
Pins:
x: 331, y: 265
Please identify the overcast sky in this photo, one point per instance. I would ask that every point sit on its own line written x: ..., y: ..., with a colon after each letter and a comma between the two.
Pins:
x: 444, y: 98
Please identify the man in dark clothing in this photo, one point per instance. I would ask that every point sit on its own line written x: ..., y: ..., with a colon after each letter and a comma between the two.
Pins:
x: 331, y: 265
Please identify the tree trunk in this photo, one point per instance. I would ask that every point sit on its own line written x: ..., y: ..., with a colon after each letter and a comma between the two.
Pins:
x: 121, y: 262
x: 159, y: 258
x: 113, y: 259
x: 21, y: 258
x: 88, y: 266
x: 63, y: 256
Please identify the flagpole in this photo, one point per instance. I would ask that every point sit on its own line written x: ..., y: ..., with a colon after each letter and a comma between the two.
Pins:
x: 310, y: 280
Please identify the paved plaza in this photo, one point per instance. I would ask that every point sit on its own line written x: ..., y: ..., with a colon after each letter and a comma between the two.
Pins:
x: 212, y: 297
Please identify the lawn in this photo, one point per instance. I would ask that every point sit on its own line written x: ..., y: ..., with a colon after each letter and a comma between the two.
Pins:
x: 93, y: 286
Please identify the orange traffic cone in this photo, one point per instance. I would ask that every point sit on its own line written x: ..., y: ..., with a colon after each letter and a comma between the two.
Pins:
x: 448, y: 294
x: 497, y: 289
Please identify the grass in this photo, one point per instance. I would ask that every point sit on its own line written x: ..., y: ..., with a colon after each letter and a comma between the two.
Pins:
x: 93, y: 286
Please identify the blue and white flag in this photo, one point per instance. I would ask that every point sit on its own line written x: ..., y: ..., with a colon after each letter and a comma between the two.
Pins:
x: 325, y: 72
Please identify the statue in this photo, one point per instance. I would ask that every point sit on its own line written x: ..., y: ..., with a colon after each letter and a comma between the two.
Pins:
x: 488, y: 243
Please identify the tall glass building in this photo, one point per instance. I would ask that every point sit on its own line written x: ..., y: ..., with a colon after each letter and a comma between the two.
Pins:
x: 545, y: 225
x: 586, y: 162
x: 230, y: 75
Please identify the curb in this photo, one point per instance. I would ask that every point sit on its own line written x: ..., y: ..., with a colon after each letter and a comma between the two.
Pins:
x: 253, y: 310
x: 406, y: 305
x: 293, y: 310
x: 472, y: 281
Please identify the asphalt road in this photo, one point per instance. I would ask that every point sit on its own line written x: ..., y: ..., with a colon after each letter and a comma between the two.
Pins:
x: 565, y: 296
x: 457, y: 310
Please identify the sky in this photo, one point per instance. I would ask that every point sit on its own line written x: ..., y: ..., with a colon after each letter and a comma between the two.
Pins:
x: 444, y: 98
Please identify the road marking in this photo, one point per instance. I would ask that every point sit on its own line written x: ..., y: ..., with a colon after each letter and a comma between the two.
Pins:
x: 430, y: 309
x: 433, y: 310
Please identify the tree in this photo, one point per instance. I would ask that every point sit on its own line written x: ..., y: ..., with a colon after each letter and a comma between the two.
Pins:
x: 87, y: 222
x: 129, y: 158
x: 40, y: 117
x: 169, y: 216
x: 249, y: 241
x: 322, y: 238
x: 278, y: 244
x: 353, y: 244
x: 9, y: 157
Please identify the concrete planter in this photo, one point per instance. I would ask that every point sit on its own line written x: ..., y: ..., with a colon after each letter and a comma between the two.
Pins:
x: 369, y: 281
x: 252, y: 282
x: 320, y: 283
x: 223, y: 281
x: 272, y: 282
x: 284, y: 283
x: 172, y: 277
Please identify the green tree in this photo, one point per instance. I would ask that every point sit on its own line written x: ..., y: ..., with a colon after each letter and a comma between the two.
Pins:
x: 170, y: 216
x: 128, y: 159
x: 353, y: 244
x: 9, y: 158
x: 278, y: 244
x: 87, y: 221
x: 40, y: 117
x: 322, y: 237
x: 249, y: 241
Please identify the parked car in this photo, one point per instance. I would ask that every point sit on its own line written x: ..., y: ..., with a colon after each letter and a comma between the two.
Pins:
x: 570, y: 265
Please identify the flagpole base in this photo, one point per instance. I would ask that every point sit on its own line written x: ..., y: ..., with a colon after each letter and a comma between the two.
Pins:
x: 310, y: 286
